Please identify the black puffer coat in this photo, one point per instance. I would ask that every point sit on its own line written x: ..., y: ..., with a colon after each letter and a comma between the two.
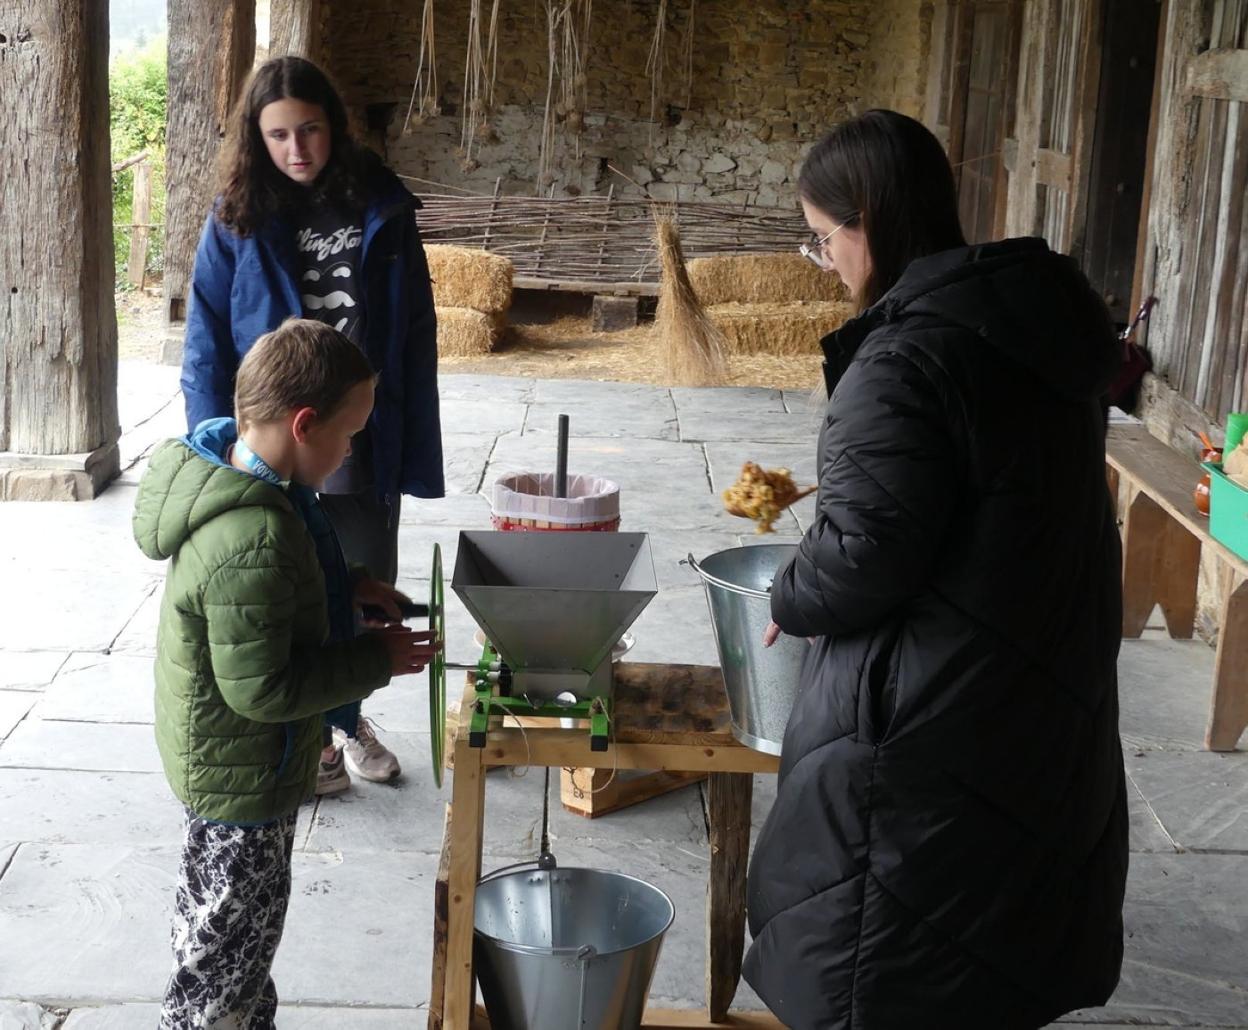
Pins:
x: 948, y: 847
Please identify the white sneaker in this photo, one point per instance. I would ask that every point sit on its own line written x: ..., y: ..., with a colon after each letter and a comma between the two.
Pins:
x: 331, y: 777
x: 368, y: 757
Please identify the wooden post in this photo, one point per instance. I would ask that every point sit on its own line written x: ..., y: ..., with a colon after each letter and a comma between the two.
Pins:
x: 1228, y: 716
x: 489, y: 222
x: 295, y: 28
x: 1160, y: 565
x: 141, y: 217
x: 212, y: 45
x: 728, y: 804
x: 58, y: 327
x: 441, y: 907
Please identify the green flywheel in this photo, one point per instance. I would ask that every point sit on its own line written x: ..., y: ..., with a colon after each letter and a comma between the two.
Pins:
x: 437, y: 668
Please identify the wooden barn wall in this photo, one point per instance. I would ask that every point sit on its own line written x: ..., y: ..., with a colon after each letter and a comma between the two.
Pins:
x: 1198, y: 224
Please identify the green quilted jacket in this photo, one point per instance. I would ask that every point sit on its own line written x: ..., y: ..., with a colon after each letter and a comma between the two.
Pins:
x: 243, y: 673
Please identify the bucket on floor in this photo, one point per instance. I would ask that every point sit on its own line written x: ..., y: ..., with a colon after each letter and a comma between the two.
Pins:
x: 526, y: 502
x: 761, y: 682
x: 567, y: 948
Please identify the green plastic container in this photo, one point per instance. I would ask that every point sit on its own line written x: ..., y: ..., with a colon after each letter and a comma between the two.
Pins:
x: 1228, y: 510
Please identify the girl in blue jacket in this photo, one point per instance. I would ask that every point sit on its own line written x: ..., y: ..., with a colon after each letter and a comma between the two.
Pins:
x: 310, y: 224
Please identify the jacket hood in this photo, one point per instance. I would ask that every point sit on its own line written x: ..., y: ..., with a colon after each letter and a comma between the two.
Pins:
x: 188, y: 483
x: 1020, y: 297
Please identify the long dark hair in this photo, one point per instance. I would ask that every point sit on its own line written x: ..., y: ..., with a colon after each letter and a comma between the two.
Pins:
x: 252, y: 187
x: 888, y: 173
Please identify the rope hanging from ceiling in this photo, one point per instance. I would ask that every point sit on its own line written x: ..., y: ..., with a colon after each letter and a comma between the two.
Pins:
x: 424, y: 101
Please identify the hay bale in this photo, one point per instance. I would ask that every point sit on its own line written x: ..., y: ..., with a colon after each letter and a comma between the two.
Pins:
x: 780, y: 329
x: 466, y: 332
x: 467, y: 278
x: 762, y: 279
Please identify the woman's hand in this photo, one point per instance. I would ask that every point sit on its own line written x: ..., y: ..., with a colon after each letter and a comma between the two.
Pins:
x: 771, y: 634
x: 384, y: 596
x: 410, y: 650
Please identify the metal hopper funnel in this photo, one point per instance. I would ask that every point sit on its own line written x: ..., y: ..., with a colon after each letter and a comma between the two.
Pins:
x: 554, y: 604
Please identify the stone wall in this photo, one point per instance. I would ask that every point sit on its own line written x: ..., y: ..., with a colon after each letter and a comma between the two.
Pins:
x: 895, y: 64
x: 767, y: 78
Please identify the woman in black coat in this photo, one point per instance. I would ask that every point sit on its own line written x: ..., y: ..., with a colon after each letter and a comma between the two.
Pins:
x: 948, y: 846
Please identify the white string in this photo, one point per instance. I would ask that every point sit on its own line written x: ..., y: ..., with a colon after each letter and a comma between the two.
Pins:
x: 577, y: 790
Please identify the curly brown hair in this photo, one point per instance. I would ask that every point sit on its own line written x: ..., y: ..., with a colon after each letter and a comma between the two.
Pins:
x: 252, y: 188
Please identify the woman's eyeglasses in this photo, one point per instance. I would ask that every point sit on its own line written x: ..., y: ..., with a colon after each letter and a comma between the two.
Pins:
x: 812, y: 249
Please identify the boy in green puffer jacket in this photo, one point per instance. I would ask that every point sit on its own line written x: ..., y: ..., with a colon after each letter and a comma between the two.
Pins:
x: 256, y: 641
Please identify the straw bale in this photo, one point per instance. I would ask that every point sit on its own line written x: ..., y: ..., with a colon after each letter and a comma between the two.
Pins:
x: 464, y: 277
x: 777, y: 328
x: 762, y: 279
x: 463, y: 332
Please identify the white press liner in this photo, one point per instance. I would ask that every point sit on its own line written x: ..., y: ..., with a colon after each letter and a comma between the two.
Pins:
x: 531, y: 495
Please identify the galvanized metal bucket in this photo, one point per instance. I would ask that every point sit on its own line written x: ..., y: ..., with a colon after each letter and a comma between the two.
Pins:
x: 761, y: 681
x: 567, y: 948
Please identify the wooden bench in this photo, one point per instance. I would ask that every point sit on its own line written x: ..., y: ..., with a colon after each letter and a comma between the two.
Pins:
x: 666, y: 717
x: 1163, y: 538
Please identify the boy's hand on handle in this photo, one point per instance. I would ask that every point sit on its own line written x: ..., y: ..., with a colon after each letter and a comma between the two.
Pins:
x: 410, y: 651
x: 380, y: 595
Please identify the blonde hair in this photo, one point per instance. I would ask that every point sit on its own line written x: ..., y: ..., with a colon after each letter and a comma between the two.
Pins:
x: 300, y: 364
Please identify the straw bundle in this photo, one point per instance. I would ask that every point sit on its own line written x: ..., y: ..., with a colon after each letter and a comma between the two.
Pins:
x: 762, y: 279
x: 463, y: 332
x: 781, y: 329
x: 693, y: 350
x: 467, y: 278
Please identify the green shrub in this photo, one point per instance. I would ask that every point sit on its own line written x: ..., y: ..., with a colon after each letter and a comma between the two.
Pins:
x: 137, y: 91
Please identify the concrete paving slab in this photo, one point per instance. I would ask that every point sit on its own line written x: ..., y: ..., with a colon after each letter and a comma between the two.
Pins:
x: 1164, y: 688
x: 464, y: 457
x: 1146, y: 832
x: 359, y: 929
x: 26, y: 1015
x: 463, y: 511
x: 138, y: 636
x: 675, y: 627
x: 477, y: 418
x: 485, y: 390
x: 29, y: 670
x: 65, y: 610
x: 1200, y: 797
x: 115, y: 809
x: 101, y: 688
x: 764, y: 427
x: 84, y: 922
x: 726, y: 400
x: 103, y: 747
x: 14, y: 704
x: 643, y: 417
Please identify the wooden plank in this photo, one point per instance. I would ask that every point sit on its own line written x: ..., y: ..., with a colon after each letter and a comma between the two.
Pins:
x: 295, y: 28
x: 1160, y: 565
x: 595, y: 792
x: 728, y: 816
x: 1228, y: 716
x: 505, y: 746
x: 136, y: 266
x: 1220, y: 74
x: 1053, y: 168
x: 441, y: 908
x: 623, y: 289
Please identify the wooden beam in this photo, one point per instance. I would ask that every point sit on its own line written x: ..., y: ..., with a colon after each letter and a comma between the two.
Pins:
x: 212, y: 46
x: 139, y: 231
x: 58, y: 374
x: 728, y: 802
x: 1218, y: 75
x: 295, y: 27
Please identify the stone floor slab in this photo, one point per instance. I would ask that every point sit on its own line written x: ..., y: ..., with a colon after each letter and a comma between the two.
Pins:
x: 102, y: 747
x: 101, y: 688
x: 138, y: 636
x: 1200, y: 797
x: 727, y: 401
x: 30, y: 670
x: 477, y: 419
x: 63, y: 610
x: 114, y: 809
x: 675, y: 627
x: 289, y: 1017
x: 485, y: 390
x: 589, y: 394
x: 669, y: 548
x: 648, y: 418
x: 813, y: 401
x: 762, y: 427
x: 14, y: 704
x: 463, y: 511
x: 26, y: 1015
x: 1146, y: 830
x: 1163, y: 692
x: 464, y: 457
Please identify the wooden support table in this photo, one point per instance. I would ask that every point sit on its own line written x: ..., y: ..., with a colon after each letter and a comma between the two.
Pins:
x: 670, y: 717
x: 1163, y: 539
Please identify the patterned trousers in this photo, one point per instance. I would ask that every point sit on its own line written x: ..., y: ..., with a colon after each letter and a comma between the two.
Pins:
x: 230, y: 906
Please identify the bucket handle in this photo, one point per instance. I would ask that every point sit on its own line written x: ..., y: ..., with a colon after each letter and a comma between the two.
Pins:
x: 716, y: 581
